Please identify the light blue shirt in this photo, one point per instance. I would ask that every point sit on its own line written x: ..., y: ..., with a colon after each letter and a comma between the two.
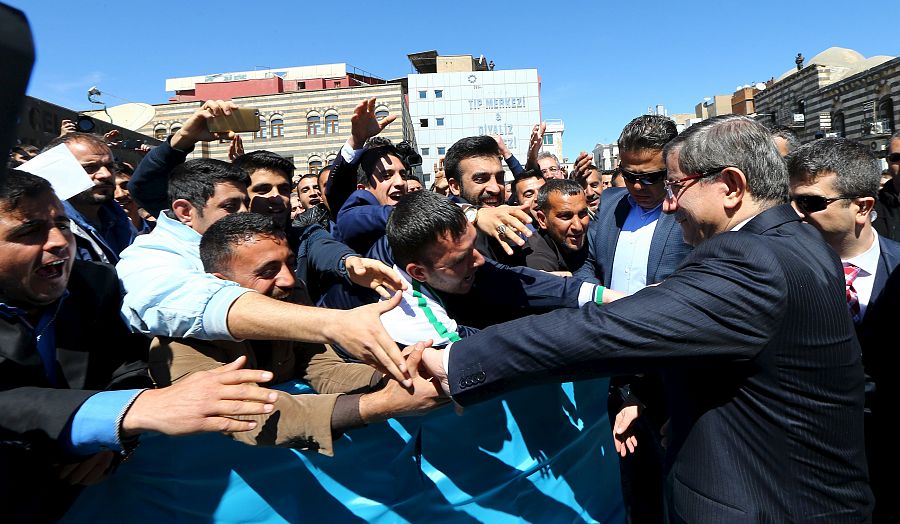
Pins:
x: 167, y: 292
x: 629, y: 270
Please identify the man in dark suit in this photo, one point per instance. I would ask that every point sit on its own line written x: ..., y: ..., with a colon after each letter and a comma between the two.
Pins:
x: 72, y: 378
x: 834, y: 184
x: 632, y: 244
x: 762, y: 369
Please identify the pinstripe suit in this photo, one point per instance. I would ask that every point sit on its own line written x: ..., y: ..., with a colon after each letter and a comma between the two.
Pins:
x: 763, y: 373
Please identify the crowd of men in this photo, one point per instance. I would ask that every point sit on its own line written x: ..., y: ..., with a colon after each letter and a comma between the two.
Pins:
x: 738, y: 287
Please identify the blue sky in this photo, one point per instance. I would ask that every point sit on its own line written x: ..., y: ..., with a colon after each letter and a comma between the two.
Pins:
x: 601, y: 63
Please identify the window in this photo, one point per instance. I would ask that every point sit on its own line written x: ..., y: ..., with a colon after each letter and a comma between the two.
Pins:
x: 422, y: 94
x: 337, y: 83
x: 381, y: 113
x: 548, y: 140
x: 440, y: 121
x: 442, y: 150
x: 439, y: 93
x: 263, y: 129
x: 425, y: 151
x: 885, y: 114
x: 159, y: 133
x: 331, y: 123
x: 313, y: 124
x: 277, y: 126
x: 175, y: 128
x: 423, y: 122
x: 315, y: 165
x: 301, y: 86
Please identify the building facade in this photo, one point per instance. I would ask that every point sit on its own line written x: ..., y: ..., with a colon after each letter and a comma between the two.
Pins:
x: 553, y: 140
x: 307, y: 125
x: 839, y: 93
x: 459, y: 96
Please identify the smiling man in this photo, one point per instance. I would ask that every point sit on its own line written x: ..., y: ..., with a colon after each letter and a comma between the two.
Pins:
x: 762, y: 369
x: 562, y: 214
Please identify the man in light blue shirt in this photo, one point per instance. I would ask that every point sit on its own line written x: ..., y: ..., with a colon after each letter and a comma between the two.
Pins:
x: 73, y: 380
x: 632, y: 244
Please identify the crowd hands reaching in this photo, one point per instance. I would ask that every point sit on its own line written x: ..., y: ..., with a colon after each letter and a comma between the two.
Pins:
x: 344, y: 269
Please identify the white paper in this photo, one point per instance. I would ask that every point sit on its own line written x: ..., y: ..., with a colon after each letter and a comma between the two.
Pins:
x: 60, y: 167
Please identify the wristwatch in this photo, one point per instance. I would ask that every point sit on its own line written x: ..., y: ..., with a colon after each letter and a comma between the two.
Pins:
x: 471, y: 213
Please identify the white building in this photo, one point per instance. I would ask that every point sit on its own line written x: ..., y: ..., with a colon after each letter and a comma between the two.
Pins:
x: 553, y: 139
x: 452, y: 97
x: 606, y: 156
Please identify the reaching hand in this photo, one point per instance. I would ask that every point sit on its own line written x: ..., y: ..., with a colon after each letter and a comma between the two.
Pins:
x: 66, y: 127
x: 396, y: 401
x: 505, y: 224
x: 195, y: 128
x: 535, y: 143
x: 205, y: 401
x: 504, y: 151
x: 111, y: 136
x: 364, y: 125
x: 236, y: 148
x: 433, y: 364
x: 583, y: 165
x: 359, y: 332
x: 374, y: 274
x: 623, y: 433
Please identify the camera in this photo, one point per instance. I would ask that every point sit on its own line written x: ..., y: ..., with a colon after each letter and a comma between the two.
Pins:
x: 409, y: 154
x: 84, y: 124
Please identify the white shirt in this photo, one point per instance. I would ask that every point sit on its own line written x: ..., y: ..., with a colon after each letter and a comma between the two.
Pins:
x: 867, y: 262
x: 629, y: 268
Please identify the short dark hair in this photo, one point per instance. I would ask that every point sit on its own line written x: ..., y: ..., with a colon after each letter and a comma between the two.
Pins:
x: 562, y: 186
x: 789, y: 136
x: 469, y: 147
x: 68, y: 138
x: 196, y: 180
x: 218, y: 242
x: 531, y: 172
x: 369, y: 160
x: 733, y: 140
x: 19, y: 185
x: 647, y: 132
x: 856, y: 169
x: 262, y: 159
x: 416, y: 223
x: 378, y: 141
x: 123, y: 168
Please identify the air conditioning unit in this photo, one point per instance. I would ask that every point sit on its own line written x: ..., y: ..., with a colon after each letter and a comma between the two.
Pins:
x: 799, y: 120
x: 879, y: 127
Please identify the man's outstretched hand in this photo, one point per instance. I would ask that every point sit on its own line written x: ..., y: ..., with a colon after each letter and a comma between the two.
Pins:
x: 364, y: 125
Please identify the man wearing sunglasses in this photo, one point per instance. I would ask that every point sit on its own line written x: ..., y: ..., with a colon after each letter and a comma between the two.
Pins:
x: 887, y: 208
x: 834, y: 182
x: 762, y: 370
x: 632, y: 244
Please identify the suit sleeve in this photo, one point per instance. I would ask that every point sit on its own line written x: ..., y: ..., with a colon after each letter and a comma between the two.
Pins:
x: 522, y: 286
x: 149, y: 184
x: 725, y: 303
x: 341, y: 181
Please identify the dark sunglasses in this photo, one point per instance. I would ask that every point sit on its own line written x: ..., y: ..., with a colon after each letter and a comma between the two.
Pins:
x: 814, y: 203
x: 893, y: 157
x: 646, y: 179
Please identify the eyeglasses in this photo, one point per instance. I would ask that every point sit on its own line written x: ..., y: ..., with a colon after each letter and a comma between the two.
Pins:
x: 551, y: 169
x: 893, y: 158
x: 670, y: 195
x: 646, y: 179
x: 813, y: 203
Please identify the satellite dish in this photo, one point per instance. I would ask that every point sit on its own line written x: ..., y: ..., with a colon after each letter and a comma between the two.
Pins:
x: 133, y: 115
x: 760, y: 86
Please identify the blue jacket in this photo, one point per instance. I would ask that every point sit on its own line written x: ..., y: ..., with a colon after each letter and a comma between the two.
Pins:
x: 361, y: 220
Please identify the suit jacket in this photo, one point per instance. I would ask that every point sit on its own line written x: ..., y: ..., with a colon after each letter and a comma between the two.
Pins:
x: 667, y: 248
x: 888, y: 262
x: 94, y: 352
x: 762, y: 369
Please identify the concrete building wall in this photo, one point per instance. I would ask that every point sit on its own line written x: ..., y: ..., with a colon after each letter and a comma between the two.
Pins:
x: 293, y: 108
x: 445, y: 107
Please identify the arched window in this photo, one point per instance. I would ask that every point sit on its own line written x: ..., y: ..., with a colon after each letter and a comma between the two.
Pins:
x: 313, y: 123
x: 159, y: 132
x: 331, y: 122
x: 315, y: 164
x: 837, y: 124
x: 277, y: 125
x: 263, y: 129
x: 885, y: 113
x: 330, y: 159
x: 381, y: 112
x: 175, y: 128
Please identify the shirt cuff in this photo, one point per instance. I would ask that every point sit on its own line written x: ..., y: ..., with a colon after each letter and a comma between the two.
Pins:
x: 446, y: 358
x: 215, y: 314
x: 351, y: 156
x: 94, y: 427
x: 587, y: 293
